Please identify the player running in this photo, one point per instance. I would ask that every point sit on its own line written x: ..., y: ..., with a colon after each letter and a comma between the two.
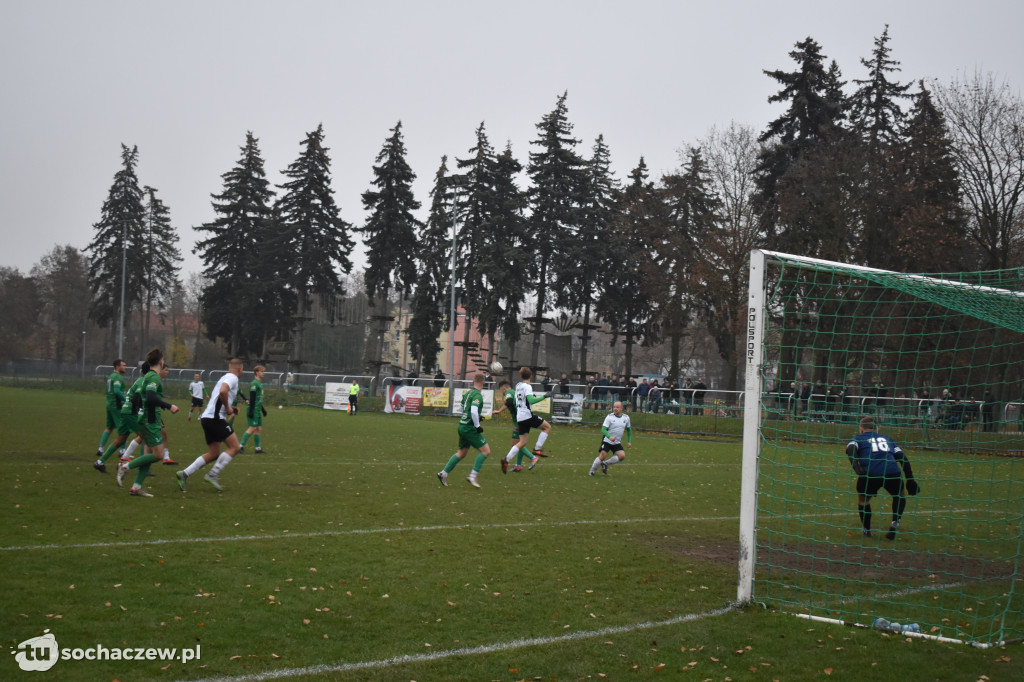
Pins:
x: 614, y: 427
x: 217, y: 429
x: 150, y: 424
x: 525, y: 399
x: 198, y: 391
x: 471, y: 433
x: 115, y: 400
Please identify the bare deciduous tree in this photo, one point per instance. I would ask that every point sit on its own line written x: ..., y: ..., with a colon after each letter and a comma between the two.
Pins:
x: 986, y: 125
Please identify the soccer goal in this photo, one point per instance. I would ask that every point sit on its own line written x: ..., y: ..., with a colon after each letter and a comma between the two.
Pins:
x: 938, y: 362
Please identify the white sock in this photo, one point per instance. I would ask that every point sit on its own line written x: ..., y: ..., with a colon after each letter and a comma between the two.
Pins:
x: 195, y: 466
x: 597, y: 463
x: 614, y: 459
x: 129, y: 451
x: 222, y: 462
x: 167, y: 454
x: 540, y: 440
x: 512, y: 453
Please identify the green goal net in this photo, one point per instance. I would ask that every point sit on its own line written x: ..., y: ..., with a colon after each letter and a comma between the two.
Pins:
x: 937, y: 362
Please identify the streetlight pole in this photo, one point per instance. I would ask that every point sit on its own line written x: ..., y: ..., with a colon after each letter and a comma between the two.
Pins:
x: 124, y: 270
x: 451, y: 311
x: 83, y: 354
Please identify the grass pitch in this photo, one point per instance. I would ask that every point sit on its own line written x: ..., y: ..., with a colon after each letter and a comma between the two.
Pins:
x: 337, y: 555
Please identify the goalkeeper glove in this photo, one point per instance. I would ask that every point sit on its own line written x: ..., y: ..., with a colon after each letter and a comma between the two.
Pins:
x: 249, y: 412
x: 912, y: 487
x: 264, y: 411
x: 479, y: 429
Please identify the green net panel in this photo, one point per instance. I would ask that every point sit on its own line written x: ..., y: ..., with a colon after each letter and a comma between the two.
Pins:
x: 938, y: 362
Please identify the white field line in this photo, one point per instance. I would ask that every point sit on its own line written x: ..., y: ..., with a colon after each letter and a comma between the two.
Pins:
x: 417, y: 529
x: 324, y: 669
x: 363, y: 531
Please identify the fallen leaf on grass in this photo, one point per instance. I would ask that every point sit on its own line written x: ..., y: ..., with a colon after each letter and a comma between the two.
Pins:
x: 828, y: 671
x: 660, y: 666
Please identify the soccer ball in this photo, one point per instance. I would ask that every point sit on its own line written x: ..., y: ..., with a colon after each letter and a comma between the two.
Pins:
x: 496, y: 367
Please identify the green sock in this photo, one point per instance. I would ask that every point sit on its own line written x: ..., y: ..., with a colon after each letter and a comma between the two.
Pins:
x: 104, y: 438
x: 245, y: 439
x: 143, y: 472
x: 519, y: 457
x: 479, y: 463
x: 257, y: 439
x: 111, y: 449
x: 143, y: 460
x: 451, y: 464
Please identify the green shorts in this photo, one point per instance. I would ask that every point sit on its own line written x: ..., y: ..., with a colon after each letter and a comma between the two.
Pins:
x: 469, y: 438
x: 113, y: 418
x: 129, y: 424
x: 255, y: 420
x: 151, y: 435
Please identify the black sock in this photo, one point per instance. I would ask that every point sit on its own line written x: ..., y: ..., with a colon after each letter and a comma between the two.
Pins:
x: 865, y: 516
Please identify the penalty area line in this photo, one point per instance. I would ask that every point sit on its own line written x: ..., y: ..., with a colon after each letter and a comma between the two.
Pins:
x: 326, y: 668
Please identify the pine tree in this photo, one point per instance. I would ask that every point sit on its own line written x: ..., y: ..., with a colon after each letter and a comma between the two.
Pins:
x: 312, y: 233
x: 237, y: 301
x: 693, y: 211
x: 473, y: 206
x: 117, y: 250
x: 809, y: 133
x: 506, y: 248
x: 558, y: 180
x: 433, y: 257
x: 163, y: 261
x: 931, y: 231
x: 578, y: 262
x: 390, y: 230
x: 878, y: 121
x: 627, y: 296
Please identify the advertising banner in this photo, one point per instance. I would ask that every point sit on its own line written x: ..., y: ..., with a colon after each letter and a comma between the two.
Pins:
x: 566, y: 408
x: 403, y: 399
x: 435, y: 397
x: 336, y: 396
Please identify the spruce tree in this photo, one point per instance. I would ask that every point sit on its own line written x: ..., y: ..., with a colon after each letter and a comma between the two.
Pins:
x: 503, y: 252
x: 580, y: 265
x: 558, y: 180
x: 693, y: 211
x: 163, y: 261
x: 878, y: 120
x: 311, y: 233
x: 931, y: 230
x: 809, y: 132
x: 433, y: 257
x: 238, y: 302
x: 390, y: 230
x: 627, y: 297
x: 475, y: 235
x: 120, y: 234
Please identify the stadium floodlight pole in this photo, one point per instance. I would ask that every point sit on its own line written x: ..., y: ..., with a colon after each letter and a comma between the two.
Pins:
x: 751, y: 426
x: 124, y: 270
x: 83, y: 354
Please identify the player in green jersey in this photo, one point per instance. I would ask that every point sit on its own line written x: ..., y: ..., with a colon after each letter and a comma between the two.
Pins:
x: 129, y: 452
x: 128, y: 423
x: 470, y: 433
x: 115, y: 399
x: 510, y: 405
x: 256, y: 412
x: 150, y: 425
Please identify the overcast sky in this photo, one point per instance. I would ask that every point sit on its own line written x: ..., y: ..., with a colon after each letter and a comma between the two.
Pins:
x: 185, y: 80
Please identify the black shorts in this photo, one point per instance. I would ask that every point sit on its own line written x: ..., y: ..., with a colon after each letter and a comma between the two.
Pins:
x: 611, y: 447
x: 197, y: 402
x: 216, y: 430
x: 870, y: 485
x: 533, y: 422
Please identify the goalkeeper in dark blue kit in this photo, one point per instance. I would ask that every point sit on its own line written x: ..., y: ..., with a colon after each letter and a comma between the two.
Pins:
x: 877, y: 461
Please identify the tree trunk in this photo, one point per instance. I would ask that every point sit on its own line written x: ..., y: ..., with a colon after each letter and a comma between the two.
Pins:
x: 295, y: 361
x: 584, y: 342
